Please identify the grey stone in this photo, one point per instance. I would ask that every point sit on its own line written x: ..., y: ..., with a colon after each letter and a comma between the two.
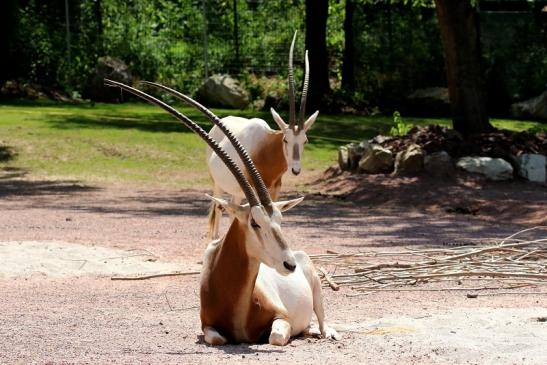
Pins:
x: 355, y: 152
x: 110, y: 68
x: 409, y: 161
x: 532, y: 108
x: 532, y: 167
x: 376, y: 160
x: 379, y: 139
x: 343, y: 158
x: 439, y: 164
x: 222, y: 91
x: 496, y: 169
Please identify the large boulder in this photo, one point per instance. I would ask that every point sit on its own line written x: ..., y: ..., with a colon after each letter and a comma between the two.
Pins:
x: 222, y: 91
x: 439, y: 164
x: 535, y: 108
x: 350, y: 155
x: 532, y: 167
x: 376, y: 160
x: 496, y: 169
x: 343, y: 158
x: 410, y: 161
x: 107, y: 68
x: 433, y: 101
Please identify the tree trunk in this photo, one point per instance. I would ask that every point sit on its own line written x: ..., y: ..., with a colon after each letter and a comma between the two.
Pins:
x: 8, y: 26
x: 98, y: 14
x: 316, y: 44
x: 348, y: 66
x: 459, y: 35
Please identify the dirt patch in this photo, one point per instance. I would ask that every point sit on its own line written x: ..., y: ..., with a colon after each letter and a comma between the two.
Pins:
x: 24, y: 259
x: 88, y: 318
x: 468, y: 334
x: 516, y: 202
x: 504, y: 143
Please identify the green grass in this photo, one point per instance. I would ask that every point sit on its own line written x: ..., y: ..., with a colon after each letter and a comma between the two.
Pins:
x: 139, y: 144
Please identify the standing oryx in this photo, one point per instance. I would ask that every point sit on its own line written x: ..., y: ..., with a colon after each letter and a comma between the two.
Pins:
x: 252, y: 285
x: 272, y: 151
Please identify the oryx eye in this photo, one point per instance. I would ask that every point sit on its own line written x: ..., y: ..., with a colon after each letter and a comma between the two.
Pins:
x: 254, y: 224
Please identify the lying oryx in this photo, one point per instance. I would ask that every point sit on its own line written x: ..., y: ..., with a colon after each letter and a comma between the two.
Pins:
x: 252, y: 285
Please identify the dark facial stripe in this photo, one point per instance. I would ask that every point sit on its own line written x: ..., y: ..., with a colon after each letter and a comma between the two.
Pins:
x: 295, y: 153
x: 280, y: 241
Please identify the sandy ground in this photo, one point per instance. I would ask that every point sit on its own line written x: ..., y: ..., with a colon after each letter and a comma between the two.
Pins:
x: 61, y: 241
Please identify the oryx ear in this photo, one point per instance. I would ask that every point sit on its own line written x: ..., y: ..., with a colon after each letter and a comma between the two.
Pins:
x: 308, y: 123
x: 280, y: 123
x: 285, y: 205
x: 233, y: 210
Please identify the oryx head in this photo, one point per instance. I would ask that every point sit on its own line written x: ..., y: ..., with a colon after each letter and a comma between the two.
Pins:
x: 264, y: 239
x: 260, y: 218
x: 294, y: 135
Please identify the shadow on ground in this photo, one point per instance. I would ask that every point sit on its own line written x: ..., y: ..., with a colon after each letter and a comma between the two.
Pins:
x: 372, y: 213
x: 15, y: 182
x: 7, y: 153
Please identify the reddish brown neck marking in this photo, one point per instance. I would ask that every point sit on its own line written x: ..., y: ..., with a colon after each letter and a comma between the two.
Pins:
x: 270, y: 160
x: 232, y: 275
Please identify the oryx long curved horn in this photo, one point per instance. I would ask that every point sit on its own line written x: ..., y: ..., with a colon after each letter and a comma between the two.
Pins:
x: 261, y: 188
x: 304, y: 94
x: 292, y: 106
x: 230, y: 164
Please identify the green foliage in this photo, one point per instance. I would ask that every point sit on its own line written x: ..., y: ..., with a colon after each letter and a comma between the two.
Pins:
x: 139, y: 144
x: 401, y: 128
x: 397, y: 46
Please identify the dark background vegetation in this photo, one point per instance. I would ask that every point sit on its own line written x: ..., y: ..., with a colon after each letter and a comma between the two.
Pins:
x: 396, y: 45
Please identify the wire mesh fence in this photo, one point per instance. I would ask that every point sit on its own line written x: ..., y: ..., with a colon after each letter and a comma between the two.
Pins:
x: 181, y: 42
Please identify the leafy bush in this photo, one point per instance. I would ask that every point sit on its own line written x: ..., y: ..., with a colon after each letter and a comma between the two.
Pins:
x: 401, y: 128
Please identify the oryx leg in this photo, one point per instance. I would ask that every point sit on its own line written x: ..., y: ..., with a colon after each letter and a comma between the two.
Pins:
x: 311, y: 274
x: 275, y: 189
x: 281, y: 332
x: 212, y: 337
x: 215, y: 214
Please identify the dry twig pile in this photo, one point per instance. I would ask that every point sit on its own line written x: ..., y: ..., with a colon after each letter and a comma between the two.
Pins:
x: 510, y: 263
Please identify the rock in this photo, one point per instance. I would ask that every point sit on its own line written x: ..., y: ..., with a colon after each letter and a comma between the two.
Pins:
x: 433, y: 101
x: 532, y: 108
x: 14, y: 89
x: 532, y: 167
x: 495, y: 169
x: 222, y: 91
x: 376, y: 160
x: 439, y: 164
x: 355, y: 152
x: 110, y: 68
x: 409, y: 161
x: 11, y: 88
x: 343, y: 158
x: 380, y: 139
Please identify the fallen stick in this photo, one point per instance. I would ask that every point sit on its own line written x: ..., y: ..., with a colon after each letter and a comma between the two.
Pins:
x: 514, y: 292
x: 473, y: 273
x: 178, y: 273
x: 454, y: 288
x: 519, y: 232
x: 370, y: 290
x: 329, y: 280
